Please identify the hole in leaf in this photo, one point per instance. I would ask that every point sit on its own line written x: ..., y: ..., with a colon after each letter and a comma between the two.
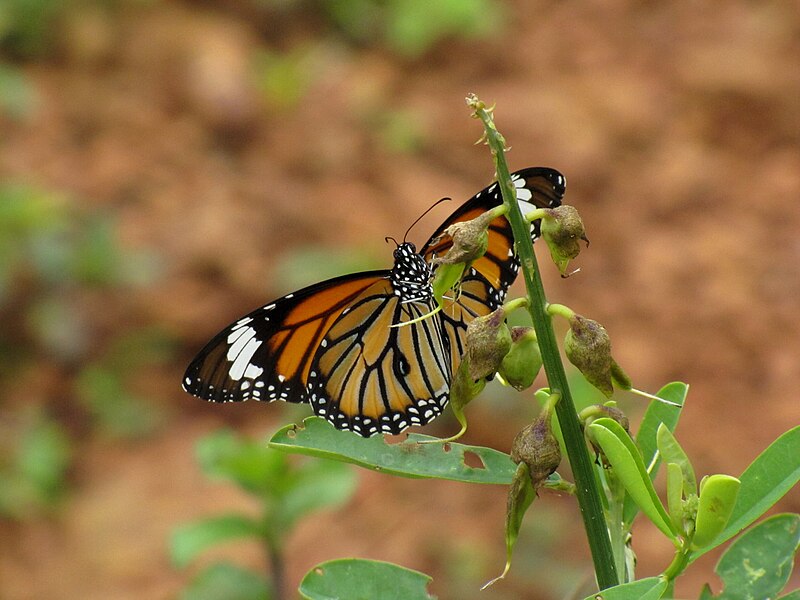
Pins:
x: 446, y: 447
x: 292, y: 433
x: 392, y: 439
x: 473, y: 460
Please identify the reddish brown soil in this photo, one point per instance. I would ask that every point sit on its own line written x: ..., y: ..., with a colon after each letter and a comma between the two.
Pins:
x: 677, y: 126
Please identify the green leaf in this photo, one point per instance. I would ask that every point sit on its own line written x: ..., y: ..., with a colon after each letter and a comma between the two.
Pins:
x: 629, y: 468
x: 651, y: 588
x: 717, y: 498
x: 251, y: 465
x: 315, y: 485
x: 43, y: 457
x: 795, y: 595
x: 675, y: 495
x: 657, y: 413
x: 224, y: 581
x: 316, y: 437
x: 758, y: 564
x: 359, y: 579
x: 671, y: 452
x: 773, y: 473
x: 190, y: 540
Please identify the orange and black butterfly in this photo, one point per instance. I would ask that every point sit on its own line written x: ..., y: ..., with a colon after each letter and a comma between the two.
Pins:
x: 346, y: 346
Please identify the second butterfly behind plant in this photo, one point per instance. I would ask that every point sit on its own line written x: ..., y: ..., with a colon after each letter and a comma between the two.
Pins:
x: 357, y: 347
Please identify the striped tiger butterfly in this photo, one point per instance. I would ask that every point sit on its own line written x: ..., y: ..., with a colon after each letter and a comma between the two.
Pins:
x: 346, y: 346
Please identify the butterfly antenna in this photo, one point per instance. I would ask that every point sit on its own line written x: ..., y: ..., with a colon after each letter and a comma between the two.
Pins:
x: 419, y: 218
x: 388, y: 237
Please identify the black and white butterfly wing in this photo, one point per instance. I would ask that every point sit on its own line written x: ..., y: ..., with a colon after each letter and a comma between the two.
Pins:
x: 357, y: 348
x: 267, y: 354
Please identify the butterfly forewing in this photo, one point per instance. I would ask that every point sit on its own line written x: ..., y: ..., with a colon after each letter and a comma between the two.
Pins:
x: 536, y: 187
x: 266, y: 355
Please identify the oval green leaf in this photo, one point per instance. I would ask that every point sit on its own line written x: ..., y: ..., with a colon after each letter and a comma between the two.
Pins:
x: 190, y: 540
x: 316, y: 437
x: 651, y: 588
x: 773, y: 473
x: 656, y: 414
x: 717, y: 499
x: 360, y: 579
x: 671, y: 452
x: 628, y: 466
x: 224, y: 580
x: 758, y: 564
x: 675, y: 495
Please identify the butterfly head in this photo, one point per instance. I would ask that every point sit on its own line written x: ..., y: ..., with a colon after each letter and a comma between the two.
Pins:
x: 411, y: 274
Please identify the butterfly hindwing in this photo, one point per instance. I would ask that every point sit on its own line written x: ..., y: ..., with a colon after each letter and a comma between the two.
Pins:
x: 377, y: 372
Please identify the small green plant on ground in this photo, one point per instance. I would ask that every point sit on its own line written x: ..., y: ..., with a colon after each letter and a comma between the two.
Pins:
x: 35, y: 453
x: 287, y: 490
x: 613, y: 470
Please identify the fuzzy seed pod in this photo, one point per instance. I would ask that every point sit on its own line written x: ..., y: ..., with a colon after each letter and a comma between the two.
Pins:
x: 562, y: 230
x: 488, y: 341
x: 588, y: 347
x: 537, y: 447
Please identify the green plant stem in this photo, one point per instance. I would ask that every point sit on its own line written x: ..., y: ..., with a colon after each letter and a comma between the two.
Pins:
x: 587, y: 491
x: 275, y: 577
x: 616, y: 525
x: 677, y: 566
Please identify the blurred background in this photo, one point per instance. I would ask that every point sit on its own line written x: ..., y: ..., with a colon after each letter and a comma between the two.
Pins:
x: 166, y: 166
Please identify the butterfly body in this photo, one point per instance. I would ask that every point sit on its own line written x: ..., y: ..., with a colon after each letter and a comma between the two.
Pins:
x: 368, y: 351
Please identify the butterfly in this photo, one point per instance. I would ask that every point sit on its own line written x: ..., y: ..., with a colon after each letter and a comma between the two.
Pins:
x: 364, y: 350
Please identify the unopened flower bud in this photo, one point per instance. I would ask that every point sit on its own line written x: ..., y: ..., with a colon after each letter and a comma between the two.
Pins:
x: 537, y: 447
x: 596, y: 411
x: 588, y: 347
x: 488, y: 341
x: 463, y: 387
x: 470, y: 241
x: 523, y: 361
x: 562, y: 230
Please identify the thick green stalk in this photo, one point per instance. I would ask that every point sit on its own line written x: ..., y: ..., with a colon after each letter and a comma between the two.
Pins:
x: 587, y: 491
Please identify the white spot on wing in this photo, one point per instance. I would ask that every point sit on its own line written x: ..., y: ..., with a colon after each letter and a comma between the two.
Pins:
x: 243, y: 359
x: 252, y: 372
x: 238, y: 339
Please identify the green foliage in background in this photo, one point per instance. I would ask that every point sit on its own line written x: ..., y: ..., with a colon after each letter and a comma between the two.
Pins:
x: 27, y: 26
x: 411, y: 27
x: 51, y: 257
x: 35, y: 453
x: 286, y: 491
x: 104, y: 386
x: 18, y: 99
